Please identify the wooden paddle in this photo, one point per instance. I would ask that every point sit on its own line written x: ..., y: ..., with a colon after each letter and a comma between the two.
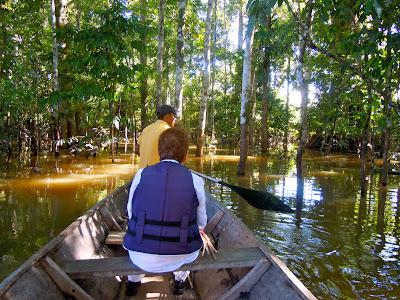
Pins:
x: 258, y: 199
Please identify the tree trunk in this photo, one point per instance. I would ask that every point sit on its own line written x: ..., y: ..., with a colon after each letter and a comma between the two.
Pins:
x: 303, y: 130
x: 206, y: 83
x: 70, y: 132
x: 56, y: 85
x: 286, y: 137
x: 240, y: 26
x: 34, y: 133
x: 213, y: 71
x: 160, y: 53
x: 253, y: 98
x: 143, y: 63
x: 364, y: 148
x: 117, y: 124
x: 226, y: 32
x: 266, y: 92
x: 387, y: 97
x: 246, y: 98
x: 8, y: 143
x: 179, y: 57
x: 386, y: 145
x: 78, y: 122
x: 23, y: 143
x: 112, y: 133
x: 166, y: 93
x: 59, y: 18
x: 5, y: 53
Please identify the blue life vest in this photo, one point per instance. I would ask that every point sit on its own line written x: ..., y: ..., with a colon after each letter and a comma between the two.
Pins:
x: 164, y: 212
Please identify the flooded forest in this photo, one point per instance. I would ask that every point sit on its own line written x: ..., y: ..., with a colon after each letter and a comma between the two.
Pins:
x: 297, y: 98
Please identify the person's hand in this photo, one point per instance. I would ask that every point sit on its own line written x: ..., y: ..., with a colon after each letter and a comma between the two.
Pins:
x: 207, y: 244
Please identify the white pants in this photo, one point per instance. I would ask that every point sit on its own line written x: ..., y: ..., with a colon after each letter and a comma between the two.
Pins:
x: 179, y: 276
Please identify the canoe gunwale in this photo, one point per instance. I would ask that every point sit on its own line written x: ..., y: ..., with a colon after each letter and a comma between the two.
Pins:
x: 57, y: 241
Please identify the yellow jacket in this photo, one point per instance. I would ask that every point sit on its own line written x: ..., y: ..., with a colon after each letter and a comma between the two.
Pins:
x: 148, y: 143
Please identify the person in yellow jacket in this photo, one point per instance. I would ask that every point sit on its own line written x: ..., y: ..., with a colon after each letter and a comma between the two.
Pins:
x: 148, y: 140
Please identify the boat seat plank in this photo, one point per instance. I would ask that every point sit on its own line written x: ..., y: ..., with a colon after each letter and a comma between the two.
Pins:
x: 63, y: 281
x: 115, y: 238
x: 122, y: 265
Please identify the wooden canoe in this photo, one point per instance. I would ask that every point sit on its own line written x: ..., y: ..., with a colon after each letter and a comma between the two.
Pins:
x: 78, y: 263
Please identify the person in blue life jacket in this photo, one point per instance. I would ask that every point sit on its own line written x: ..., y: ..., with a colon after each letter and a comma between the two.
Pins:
x: 167, y: 212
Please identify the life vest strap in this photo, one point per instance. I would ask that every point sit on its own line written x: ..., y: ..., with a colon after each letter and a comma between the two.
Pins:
x: 163, y: 238
x: 163, y: 223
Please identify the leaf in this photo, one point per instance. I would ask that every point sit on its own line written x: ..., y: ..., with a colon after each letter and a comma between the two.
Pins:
x: 260, y: 8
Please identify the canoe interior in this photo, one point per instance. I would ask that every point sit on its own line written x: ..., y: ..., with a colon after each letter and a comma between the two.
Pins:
x: 42, y: 277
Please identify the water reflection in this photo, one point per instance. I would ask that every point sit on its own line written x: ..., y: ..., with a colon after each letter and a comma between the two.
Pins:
x: 339, y: 244
x: 37, y: 204
x: 346, y: 247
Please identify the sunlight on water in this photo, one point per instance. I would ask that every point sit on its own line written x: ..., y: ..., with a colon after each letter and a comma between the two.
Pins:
x: 286, y: 189
x: 37, y: 203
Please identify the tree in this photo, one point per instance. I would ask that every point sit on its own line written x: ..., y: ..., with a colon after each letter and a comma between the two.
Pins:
x: 303, y: 131
x: 59, y: 19
x: 206, y: 83
x: 143, y: 63
x: 160, y: 52
x: 245, y: 110
x: 179, y: 57
x: 266, y: 89
x: 365, y: 49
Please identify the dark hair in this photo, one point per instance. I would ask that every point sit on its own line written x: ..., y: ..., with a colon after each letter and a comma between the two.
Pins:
x: 164, y: 110
x: 173, y: 144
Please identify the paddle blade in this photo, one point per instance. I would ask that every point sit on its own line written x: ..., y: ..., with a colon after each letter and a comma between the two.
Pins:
x: 260, y: 199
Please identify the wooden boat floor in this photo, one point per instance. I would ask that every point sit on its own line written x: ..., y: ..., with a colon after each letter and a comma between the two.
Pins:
x: 158, y: 287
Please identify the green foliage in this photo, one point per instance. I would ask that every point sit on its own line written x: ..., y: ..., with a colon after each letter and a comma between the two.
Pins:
x: 100, y: 71
x: 261, y: 8
x: 98, y: 54
x: 24, y: 66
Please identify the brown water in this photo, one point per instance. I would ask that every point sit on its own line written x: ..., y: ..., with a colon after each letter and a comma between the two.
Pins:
x: 340, y: 247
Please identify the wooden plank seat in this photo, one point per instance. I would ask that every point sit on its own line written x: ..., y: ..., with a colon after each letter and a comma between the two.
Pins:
x: 115, y: 238
x: 122, y: 265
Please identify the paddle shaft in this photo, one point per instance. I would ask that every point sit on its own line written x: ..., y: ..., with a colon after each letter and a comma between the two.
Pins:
x: 231, y: 186
x: 207, y: 177
x: 258, y: 199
